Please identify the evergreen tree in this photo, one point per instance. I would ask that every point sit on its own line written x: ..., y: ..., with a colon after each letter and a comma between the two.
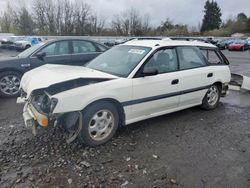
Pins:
x: 212, y: 17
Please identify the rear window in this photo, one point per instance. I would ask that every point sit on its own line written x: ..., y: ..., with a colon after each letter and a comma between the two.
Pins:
x: 211, y: 56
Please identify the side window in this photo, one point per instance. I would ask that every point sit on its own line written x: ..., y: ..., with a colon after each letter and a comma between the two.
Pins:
x: 57, y: 48
x: 102, y: 48
x: 164, y: 61
x: 190, y: 57
x: 83, y: 47
x: 211, y: 56
x: 49, y: 50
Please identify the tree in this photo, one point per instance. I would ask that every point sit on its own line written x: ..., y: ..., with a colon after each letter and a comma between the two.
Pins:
x: 6, y: 21
x: 24, y: 22
x: 212, y: 16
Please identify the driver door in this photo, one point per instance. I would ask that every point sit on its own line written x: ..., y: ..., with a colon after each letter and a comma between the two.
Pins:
x: 56, y: 53
x: 157, y: 94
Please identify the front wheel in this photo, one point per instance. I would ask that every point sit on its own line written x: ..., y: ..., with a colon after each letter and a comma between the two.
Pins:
x: 212, y: 98
x: 100, y: 122
x: 9, y: 84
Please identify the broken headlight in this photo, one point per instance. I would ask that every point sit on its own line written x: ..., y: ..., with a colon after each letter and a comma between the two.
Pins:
x: 43, y: 103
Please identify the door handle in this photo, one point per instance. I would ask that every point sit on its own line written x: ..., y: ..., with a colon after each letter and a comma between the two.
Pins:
x: 174, y: 82
x: 210, y: 75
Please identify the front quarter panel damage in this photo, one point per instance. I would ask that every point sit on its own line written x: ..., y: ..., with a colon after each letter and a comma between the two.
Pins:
x: 77, y: 99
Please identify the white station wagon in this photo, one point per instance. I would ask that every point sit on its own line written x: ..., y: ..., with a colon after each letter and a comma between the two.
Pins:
x: 131, y: 82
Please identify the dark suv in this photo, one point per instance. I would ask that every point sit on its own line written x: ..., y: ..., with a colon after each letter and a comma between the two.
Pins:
x: 63, y: 51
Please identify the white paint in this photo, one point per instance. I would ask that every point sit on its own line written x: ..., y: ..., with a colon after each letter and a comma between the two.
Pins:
x: 127, y: 89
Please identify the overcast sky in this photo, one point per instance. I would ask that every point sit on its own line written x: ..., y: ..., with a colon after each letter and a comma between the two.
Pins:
x: 180, y: 11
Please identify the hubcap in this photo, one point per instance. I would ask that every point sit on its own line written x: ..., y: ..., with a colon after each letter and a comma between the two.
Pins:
x: 212, y: 95
x: 9, y: 84
x: 101, y: 125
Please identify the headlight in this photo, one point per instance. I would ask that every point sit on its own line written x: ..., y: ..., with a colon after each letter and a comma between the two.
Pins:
x: 53, y: 103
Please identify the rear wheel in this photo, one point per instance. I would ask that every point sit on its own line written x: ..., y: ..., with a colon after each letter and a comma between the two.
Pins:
x: 100, y: 122
x: 9, y: 84
x: 27, y: 46
x: 212, y: 98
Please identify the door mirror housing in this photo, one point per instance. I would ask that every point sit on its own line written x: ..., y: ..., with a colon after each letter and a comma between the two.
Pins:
x: 41, y: 55
x: 149, y: 71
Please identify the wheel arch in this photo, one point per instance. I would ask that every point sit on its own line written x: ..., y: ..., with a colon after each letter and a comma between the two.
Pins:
x: 219, y: 84
x: 117, y: 104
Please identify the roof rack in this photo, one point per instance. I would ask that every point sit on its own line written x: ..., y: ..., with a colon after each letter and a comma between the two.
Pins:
x: 152, y: 38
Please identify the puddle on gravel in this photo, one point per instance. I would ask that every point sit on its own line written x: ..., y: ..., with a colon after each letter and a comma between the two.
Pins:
x: 237, y: 98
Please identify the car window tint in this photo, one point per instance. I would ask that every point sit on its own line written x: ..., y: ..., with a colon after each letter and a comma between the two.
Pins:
x: 164, y: 61
x: 83, y: 47
x: 190, y: 57
x: 211, y: 56
x: 102, y: 48
x: 57, y: 48
x: 50, y: 49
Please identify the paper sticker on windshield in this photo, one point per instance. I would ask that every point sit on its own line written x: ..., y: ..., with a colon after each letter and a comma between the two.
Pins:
x: 136, y: 51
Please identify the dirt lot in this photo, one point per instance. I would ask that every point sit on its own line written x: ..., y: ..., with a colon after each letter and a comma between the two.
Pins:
x: 190, y: 148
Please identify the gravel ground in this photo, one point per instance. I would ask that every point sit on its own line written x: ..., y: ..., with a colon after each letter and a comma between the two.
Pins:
x: 191, y: 148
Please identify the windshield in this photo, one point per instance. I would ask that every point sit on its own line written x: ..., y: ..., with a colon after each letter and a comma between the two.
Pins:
x: 119, y: 60
x: 30, y: 50
x: 239, y: 42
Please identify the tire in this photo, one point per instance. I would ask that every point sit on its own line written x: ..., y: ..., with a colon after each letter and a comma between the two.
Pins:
x: 27, y: 46
x: 96, y: 119
x: 9, y: 84
x: 212, y: 98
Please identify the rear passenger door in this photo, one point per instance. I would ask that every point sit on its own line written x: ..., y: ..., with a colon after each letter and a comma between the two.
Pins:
x: 196, y: 75
x: 83, y: 51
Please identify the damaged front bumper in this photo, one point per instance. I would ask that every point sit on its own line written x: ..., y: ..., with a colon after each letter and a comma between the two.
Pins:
x: 32, y: 118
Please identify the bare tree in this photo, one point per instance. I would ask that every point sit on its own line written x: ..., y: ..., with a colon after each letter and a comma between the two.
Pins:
x: 39, y: 8
x: 131, y: 23
x: 6, y: 20
x: 82, y: 14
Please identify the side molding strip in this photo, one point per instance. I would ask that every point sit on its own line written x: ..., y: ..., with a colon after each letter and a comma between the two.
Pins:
x: 158, y: 97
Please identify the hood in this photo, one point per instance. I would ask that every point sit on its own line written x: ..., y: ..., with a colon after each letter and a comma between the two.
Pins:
x: 21, y: 41
x: 235, y: 44
x: 55, y: 75
x: 8, y: 60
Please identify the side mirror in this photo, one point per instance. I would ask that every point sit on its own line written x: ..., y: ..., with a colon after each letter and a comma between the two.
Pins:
x: 149, y: 71
x: 40, y: 55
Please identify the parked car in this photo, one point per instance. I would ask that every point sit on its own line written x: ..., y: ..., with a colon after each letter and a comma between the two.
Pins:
x: 68, y: 52
x: 9, y: 43
x: 27, y: 42
x: 229, y: 41
x: 221, y: 44
x: 130, y: 82
x: 248, y: 41
x: 4, y: 36
x: 239, y: 45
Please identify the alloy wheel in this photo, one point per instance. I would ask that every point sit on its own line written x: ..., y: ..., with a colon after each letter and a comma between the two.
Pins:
x: 9, y: 85
x: 101, y: 125
x: 212, y: 95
